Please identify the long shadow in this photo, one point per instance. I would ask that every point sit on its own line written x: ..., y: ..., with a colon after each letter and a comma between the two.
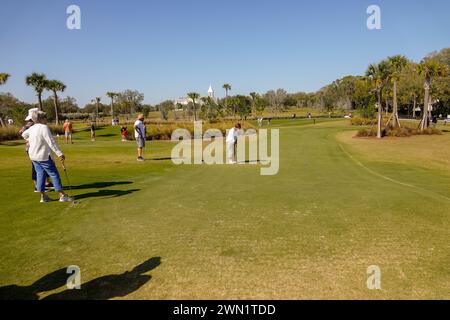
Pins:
x: 102, y: 288
x: 48, y: 282
x: 105, y: 193
x: 99, y: 185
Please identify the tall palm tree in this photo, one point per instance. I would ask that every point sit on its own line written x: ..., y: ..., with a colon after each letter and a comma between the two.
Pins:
x: 379, y: 74
x: 227, y: 88
x: 194, y: 96
x: 397, y: 64
x: 254, y: 96
x: 97, y: 102
x: 38, y: 81
x: 3, y: 78
x: 55, y: 86
x: 429, y: 69
x: 112, y: 96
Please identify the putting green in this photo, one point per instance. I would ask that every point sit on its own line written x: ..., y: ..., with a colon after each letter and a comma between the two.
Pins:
x: 337, y: 206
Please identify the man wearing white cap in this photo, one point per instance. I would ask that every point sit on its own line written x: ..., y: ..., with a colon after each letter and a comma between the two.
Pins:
x: 29, y: 123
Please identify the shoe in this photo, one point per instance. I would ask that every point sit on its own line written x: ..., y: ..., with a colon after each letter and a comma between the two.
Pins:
x: 49, y: 187
x: 45, y: 199
x: 65, y: 198
x: 140, y: 159
x: 232, y: 162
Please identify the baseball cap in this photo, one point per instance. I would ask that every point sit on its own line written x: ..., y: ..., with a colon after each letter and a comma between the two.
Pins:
x: 30, y: 112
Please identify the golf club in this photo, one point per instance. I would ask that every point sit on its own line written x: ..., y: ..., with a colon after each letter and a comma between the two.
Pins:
x: 67, y: 177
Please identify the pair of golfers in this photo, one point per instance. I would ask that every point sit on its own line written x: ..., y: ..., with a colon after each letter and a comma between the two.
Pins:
x: 41, y: 145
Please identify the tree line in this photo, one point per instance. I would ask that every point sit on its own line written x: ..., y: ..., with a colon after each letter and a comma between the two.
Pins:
x: 395, y: 85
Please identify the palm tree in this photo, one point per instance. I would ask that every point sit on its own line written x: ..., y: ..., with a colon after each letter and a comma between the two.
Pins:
x: 112, y: 96
x: 55, y: 86
x: 38, y: 81
x: 254, y: 96
x: 3, y: 78
x: 379, y: 74
x: 397, y: 64
x: 97, y: 102
x: 429, y: 69
x: 227, y: 88
x: 194, y: 96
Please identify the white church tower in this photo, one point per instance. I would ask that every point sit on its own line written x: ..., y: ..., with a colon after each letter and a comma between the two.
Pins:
x: 211, y: 92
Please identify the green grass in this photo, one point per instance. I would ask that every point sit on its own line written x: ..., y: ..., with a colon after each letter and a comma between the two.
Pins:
x: 336, y: 207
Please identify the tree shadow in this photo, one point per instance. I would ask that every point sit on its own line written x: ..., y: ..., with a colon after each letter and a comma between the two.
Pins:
x: 102, y: 288
x: 99, y: 185
x: 105, y: 193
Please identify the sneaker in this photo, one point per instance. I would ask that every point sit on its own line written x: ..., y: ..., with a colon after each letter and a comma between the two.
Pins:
x: 49, y: 187
x: 45, y: 199
x: 140, y: 159
x: 65, y: 198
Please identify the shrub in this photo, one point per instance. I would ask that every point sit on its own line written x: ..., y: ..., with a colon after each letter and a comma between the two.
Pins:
x: 404, y: 131
x: 363, y: 121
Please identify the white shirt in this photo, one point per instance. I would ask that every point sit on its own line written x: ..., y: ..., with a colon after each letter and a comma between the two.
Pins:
x: 232, y: 135
x: 41, y: 142
x: 141, y: 127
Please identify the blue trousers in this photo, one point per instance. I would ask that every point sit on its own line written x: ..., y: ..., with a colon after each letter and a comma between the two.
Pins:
x: 44, y: 168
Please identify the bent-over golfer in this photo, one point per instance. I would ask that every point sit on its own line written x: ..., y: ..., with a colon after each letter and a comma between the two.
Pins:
x: 231, y: 141
x: 41, y: 145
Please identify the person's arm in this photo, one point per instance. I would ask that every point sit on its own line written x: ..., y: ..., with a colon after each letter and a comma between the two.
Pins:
x: 25, y: 135
x: 48, y: 137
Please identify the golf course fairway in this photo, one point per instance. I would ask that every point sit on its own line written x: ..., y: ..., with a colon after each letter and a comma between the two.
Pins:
x: 337, y: 206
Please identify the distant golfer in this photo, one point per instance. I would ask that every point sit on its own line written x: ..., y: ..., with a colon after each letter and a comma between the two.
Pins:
x: 42, y: 144
x: 92, y: 126
x: 231, y: 141
x: 123, y: 133
x: 140, y: 133
x: 68, y: 131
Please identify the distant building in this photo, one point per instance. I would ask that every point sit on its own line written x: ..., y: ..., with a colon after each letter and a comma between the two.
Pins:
x: 184, y: 101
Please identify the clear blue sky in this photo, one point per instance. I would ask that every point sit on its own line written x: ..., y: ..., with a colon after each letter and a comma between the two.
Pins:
x: 167, y: 48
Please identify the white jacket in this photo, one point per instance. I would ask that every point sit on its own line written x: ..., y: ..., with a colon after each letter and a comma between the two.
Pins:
x: 41, y: 142
x: 232, y: 135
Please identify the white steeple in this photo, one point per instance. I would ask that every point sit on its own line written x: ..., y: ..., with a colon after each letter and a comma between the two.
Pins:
x: 210, y: 92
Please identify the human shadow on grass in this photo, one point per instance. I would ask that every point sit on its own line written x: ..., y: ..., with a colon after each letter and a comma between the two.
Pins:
x: 48, y: 282
x: 99, y: 185
x: 102, y: 288
x: 111, y: 286
x: 105, y: 193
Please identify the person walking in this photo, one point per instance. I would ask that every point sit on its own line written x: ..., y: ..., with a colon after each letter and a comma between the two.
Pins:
x: 231, y: 142
x: 68, y: 131
x: 42, y: 144
x: 140, y: 133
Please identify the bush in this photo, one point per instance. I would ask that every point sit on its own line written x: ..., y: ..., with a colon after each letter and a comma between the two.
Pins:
x: 10, y: 133
x: 404, y: 131
x: 363, y: 121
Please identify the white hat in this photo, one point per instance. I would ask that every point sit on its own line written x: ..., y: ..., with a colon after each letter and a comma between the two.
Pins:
x: 30, y: 113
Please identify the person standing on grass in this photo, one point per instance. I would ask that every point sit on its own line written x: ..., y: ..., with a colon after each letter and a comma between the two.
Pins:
x: 42, y: 144
x: 92, y: 126
x: 231, y: 141
x: 68, y: 131
x: 123, y: 133
x: 29, y: 123
x: 140, y: 133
